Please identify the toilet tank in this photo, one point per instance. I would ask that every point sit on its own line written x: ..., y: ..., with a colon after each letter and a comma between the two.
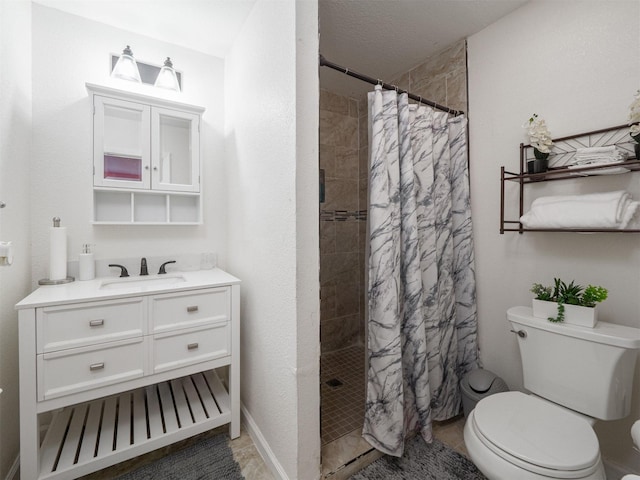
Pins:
x: 589, y: 370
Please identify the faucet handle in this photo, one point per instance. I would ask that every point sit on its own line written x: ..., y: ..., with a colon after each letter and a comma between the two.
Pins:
x: 143, y: 267
x: 123, y: 269
x: 162, y: 270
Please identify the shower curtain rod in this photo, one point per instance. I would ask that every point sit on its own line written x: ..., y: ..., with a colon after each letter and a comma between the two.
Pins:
x: 326, y: 63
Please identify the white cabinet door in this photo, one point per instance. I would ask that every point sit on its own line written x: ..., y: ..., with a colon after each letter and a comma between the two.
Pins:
x: 175, y: 150
x: 121, y: 148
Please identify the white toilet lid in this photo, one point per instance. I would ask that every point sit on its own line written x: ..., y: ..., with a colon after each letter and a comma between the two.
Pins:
x: 537, y: 432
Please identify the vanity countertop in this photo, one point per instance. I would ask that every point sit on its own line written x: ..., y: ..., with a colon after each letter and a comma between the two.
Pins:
x: 107, y: 288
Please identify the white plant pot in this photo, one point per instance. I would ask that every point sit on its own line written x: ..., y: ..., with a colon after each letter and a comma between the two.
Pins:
x: 544, y: 309
x: 583, y: 316
x: 573, y: 314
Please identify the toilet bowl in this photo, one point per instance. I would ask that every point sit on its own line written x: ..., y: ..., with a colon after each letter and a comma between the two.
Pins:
x: 512, y: 435
x: 635, y: 436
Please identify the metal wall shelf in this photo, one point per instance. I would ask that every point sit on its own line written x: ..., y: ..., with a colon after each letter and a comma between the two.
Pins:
x: 564, y: 151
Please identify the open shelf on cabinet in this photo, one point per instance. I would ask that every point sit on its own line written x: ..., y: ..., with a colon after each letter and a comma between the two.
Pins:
x: 126, y: 207
x: 565, y: 149
x: 119, y: 427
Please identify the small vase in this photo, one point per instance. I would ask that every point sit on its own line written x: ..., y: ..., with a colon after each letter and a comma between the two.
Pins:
x: 539, y: 165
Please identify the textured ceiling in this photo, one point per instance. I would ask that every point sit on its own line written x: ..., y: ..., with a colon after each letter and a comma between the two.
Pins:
x: 379, y: 38
x: 382, y: 38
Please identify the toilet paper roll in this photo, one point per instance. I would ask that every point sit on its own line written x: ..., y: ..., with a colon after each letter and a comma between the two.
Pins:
x: 57, y: 253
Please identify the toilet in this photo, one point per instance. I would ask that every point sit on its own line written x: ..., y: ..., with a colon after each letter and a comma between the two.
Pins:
x: 635, y: 436
x: 575, y: 376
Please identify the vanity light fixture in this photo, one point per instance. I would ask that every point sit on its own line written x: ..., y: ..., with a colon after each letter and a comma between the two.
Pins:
x: 127, y: 68
x: 167, y: 77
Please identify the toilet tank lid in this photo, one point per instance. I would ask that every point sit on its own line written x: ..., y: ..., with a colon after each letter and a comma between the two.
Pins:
x: 607, y: 333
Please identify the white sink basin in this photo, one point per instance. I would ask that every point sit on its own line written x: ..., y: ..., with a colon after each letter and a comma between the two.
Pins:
x: 138, y: 282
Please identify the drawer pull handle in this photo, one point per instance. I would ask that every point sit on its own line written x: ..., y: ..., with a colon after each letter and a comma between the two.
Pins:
x: 96, y: 323
x: 192, y: 346
x: 96, y: 366
x: 192, y: 309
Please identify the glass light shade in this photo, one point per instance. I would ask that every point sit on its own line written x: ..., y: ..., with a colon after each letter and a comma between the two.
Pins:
x: 167, y: 77
x: 126, y: 68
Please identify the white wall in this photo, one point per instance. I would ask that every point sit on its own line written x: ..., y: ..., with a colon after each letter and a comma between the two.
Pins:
x: 271, y: 150
x: 307, y: 238
x: 576, y: 64
x: 15, y: 143
x: 77, y: 51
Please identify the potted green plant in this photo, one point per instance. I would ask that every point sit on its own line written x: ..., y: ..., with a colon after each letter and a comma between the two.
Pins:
x: 569, y: 303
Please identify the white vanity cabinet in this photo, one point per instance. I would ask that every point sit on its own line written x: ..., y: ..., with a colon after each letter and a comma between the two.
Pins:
x: 106, y: 375
x: 146, y: 159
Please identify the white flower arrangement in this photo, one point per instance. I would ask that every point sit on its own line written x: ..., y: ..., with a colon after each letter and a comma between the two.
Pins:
x: 634, y: 118
x: 539, y: 136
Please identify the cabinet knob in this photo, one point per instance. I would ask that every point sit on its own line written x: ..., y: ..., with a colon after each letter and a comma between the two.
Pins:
x: 96, y: 323
x: 193, y: 308
x: 96, y: 366
x: 192, y: 346
x: 155, y: 169
x: 146, y: 167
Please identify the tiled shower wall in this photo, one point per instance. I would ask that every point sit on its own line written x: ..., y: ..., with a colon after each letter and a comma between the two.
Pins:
x: 341, y: 225
x: 344, y: 158
x: 442, y: 78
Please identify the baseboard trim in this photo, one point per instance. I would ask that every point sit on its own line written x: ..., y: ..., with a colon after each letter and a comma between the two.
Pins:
x: 262, y: 446
x: 13, y: 471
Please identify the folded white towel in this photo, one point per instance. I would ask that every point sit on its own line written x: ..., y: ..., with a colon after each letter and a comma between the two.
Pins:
x: 596, y: 150
x: 597, y: 155
x: 597, y: 210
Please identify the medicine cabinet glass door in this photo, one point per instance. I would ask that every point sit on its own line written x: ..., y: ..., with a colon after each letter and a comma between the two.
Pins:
x: 174, y: 152
x: 121, y: 143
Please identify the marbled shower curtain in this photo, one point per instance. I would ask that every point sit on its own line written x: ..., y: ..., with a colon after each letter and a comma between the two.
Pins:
x: 422, y: 311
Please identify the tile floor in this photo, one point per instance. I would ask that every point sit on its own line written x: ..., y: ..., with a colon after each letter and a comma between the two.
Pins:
x: 342, y: 405
x: 344, y: 451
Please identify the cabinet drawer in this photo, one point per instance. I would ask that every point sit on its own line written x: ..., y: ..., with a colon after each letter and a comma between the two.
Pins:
x: 190, y: 309
x: 174, y: 350
x: 70, y: 326
x: 79, y: 369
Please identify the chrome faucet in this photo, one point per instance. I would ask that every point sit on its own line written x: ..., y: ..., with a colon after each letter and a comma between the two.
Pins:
x: 143, y: 267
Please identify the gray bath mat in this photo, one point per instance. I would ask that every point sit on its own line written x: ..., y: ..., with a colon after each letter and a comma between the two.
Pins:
x: 422, y: 461
x: 209, y: 459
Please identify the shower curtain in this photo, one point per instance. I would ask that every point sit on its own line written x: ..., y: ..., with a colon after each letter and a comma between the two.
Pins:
x: 422, y: 326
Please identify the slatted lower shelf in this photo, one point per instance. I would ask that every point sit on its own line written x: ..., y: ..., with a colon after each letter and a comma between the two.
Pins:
x: 92, y: 435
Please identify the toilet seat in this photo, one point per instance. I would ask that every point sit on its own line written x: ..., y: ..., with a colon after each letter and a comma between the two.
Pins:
x: 536, y: 436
